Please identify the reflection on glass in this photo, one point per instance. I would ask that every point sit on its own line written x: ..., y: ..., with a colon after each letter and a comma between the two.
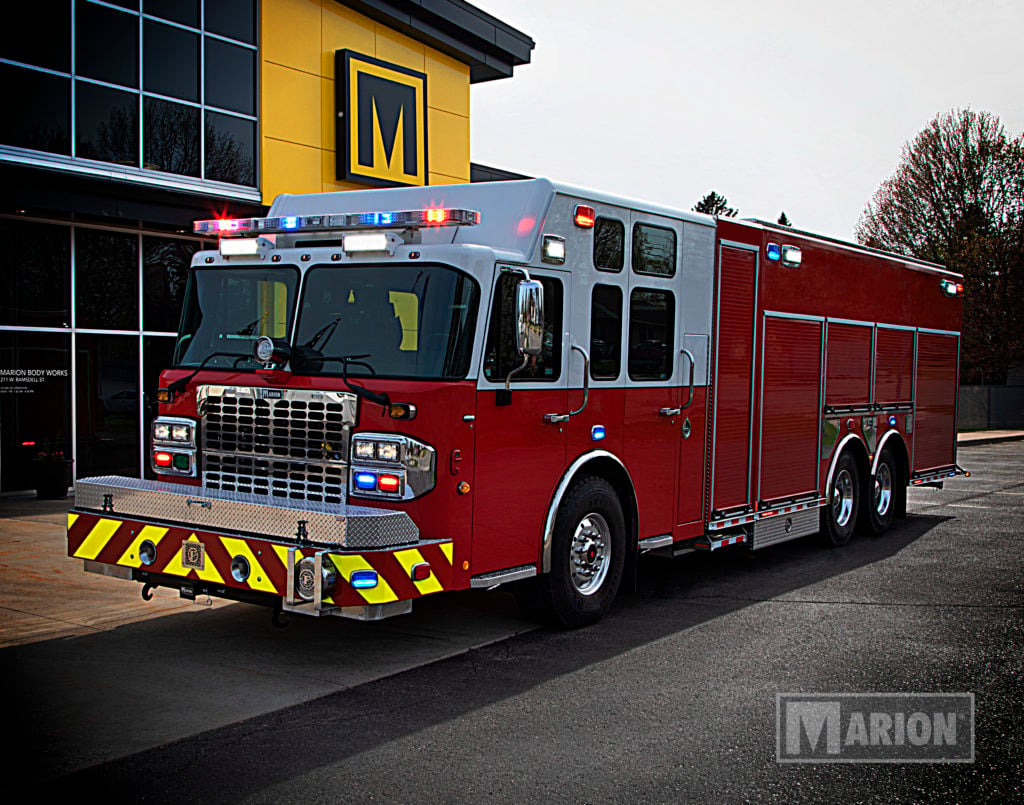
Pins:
x: 171, y: 59
x: 609, y: 244
x: 230, y: 149
x: 37, y: 264
x: 106, y: 280
x: 184, y: 11
x: 38, y: 110
x: 106, y: 44
x: 605, y: 332
x: 232, y: 18
x: 42, y: 36
x: 230, y: 76
x: 414, y: 322
x: 106, y: 124
x: 107, y: 369
x: 171, y: 141
x: 35, y: 415
x: 226, y: 310
x: 654, y: 250
x: 501, y: 354
x: 651, y: 317
x: 165, y: 263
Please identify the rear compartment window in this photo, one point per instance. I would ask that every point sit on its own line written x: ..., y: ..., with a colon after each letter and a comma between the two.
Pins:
x: 651, y: 314
x: 609, y: 244
x: 605, y: 332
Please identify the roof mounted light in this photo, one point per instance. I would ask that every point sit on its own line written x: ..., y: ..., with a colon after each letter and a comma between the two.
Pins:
x: 950, y: 288
x: 791, y: 256
x: 403, y: 219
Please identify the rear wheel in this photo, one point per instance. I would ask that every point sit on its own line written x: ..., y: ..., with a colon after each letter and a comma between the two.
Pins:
x: 879, y: 510
x: 839, y: 514
x: 587, y: 554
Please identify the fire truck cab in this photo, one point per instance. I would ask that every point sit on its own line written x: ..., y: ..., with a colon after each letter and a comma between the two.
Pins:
x: 384, y: 394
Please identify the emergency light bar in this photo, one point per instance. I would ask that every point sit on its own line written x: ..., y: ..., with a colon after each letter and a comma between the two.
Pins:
x: 405, y: 219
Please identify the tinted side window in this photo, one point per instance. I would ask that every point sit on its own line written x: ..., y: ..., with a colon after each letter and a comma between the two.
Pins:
x: 609, y: 244
x: 605, y: 332
x: 501, y: 356
x: 651, y: 314
x: 654, y: 250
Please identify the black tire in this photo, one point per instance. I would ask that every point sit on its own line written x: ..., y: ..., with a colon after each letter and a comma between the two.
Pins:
x: 588, y: 551
x: 842, y: 502
x: 879, y: 506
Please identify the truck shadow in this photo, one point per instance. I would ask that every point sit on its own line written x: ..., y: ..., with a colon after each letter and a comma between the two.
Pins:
x: 188, y: 655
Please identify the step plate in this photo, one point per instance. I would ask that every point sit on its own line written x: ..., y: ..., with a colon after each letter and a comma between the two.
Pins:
x: 784, y: 527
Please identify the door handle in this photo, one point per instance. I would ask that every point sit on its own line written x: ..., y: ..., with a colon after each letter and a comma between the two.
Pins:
x: 551, y: 418
x: 670, y: 411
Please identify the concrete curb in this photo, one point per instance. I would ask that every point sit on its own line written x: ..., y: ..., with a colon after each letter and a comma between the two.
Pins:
x: 970, y: 439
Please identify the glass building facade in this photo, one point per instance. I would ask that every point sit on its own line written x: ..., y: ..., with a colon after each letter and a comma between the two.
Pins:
x: 126, y: 120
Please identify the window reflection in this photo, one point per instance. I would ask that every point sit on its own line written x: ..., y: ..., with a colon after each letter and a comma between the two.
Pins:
x: 106, y: 44
x: 106, y: 280
x: 230, y: 145
x: 39, y: 110
x: 107, y: 379
x: 37, y: 266
x: 165, y: 263
x: 106, y: 124
x: 172, y: 137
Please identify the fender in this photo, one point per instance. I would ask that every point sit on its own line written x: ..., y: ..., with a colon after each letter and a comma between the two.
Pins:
x: 881, y: 444
x: 835, y: 457
x: 560, y: 490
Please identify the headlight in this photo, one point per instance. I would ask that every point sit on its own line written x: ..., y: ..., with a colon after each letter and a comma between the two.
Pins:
x: 387, y: 451
x: 162, y: 431
x: 364, y: 450
x: 181, y: 433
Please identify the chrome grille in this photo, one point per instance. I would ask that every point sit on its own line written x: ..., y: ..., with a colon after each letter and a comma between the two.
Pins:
x: 286, y: 443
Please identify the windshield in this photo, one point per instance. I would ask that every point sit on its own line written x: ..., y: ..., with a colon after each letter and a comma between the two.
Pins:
x: 398, y: 321
x: 227, y: 309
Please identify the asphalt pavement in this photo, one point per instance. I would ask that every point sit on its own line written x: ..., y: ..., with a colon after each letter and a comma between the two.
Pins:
x: 669, y: 699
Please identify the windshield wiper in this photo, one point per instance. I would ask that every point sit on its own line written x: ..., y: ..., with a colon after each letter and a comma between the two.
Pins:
x: 182, y: 382
x: 327, y: 330
x: 381, y: 398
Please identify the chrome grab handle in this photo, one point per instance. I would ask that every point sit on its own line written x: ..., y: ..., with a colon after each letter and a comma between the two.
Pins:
x: 689, y: 398
x: 670, y: 411
x: 553, y: 418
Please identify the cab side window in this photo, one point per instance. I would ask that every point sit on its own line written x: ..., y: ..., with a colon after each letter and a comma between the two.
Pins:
x: 651, y: 314
x: 501, y: 356
x: 605, y: 332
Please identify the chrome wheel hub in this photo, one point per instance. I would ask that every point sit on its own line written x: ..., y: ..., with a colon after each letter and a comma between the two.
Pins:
x: 842, y: 498
x: 883, y: 489
x: 590, y: 554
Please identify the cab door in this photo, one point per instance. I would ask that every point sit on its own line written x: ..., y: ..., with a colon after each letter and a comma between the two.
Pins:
x: 652, y: 402
x: 519, y: 457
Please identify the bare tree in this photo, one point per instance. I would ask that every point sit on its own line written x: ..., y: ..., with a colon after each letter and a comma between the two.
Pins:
x: 957, y: 198
x: 714, y: 204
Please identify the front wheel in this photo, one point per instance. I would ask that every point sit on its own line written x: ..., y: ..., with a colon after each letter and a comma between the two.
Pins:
x: 839, y: 514
x: 588, y: 553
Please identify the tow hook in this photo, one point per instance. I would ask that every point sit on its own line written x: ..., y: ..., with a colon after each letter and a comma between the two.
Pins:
x: 147, y: 591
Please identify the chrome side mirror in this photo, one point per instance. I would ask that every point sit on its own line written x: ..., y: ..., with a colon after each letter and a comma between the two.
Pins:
x: 529, y: 318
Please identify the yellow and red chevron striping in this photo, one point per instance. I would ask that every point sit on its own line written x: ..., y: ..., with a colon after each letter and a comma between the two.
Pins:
x: 116, y: 541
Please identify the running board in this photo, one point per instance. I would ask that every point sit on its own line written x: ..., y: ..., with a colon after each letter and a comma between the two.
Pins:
x: 653, y: 543
x: 713, y: 543
x: 487, y: 581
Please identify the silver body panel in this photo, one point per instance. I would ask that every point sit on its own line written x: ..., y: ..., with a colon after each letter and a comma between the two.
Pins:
x: 334, y: 524
x: 784, y: 527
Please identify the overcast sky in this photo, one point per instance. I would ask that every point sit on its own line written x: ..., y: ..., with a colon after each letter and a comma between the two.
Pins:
x: 795, y: 105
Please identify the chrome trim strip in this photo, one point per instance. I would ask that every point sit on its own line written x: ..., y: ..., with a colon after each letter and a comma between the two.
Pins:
x: 854, y: 322
x: 938, y: 332
x: 881, y: 445
x: 778, y: 314
x: 556, y: 500
x: 490, y: 580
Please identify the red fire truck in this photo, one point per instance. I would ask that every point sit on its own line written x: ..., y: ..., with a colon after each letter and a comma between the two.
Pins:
x: 384, y: 394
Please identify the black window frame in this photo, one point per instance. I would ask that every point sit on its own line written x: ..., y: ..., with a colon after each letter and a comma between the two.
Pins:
x: 602, y: 222
x: 637, y: 256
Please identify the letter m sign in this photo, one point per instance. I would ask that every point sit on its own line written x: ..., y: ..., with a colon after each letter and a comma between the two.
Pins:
x: 382, y: 121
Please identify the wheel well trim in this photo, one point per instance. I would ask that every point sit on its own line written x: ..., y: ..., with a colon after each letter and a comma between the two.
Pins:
x: 563, y: 486
x: 840, y: 449
x: 881, y: 445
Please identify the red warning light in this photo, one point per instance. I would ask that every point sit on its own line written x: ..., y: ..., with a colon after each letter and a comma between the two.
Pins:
x: 437, y: 215
x: 584, y: 216
x: 162, y: 459
x: 388, y: 483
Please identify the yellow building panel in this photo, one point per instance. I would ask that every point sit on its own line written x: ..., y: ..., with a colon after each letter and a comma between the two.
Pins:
x: 293, y: 103
x: 448, y: 143
x: 447, y: 83
x: 330, y: 184
x: 344, y: 28
x: 440, y: 178
x: 329, y: 118
x: 398, y: 49
x: 291, y: 33
x: 289, y: 168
